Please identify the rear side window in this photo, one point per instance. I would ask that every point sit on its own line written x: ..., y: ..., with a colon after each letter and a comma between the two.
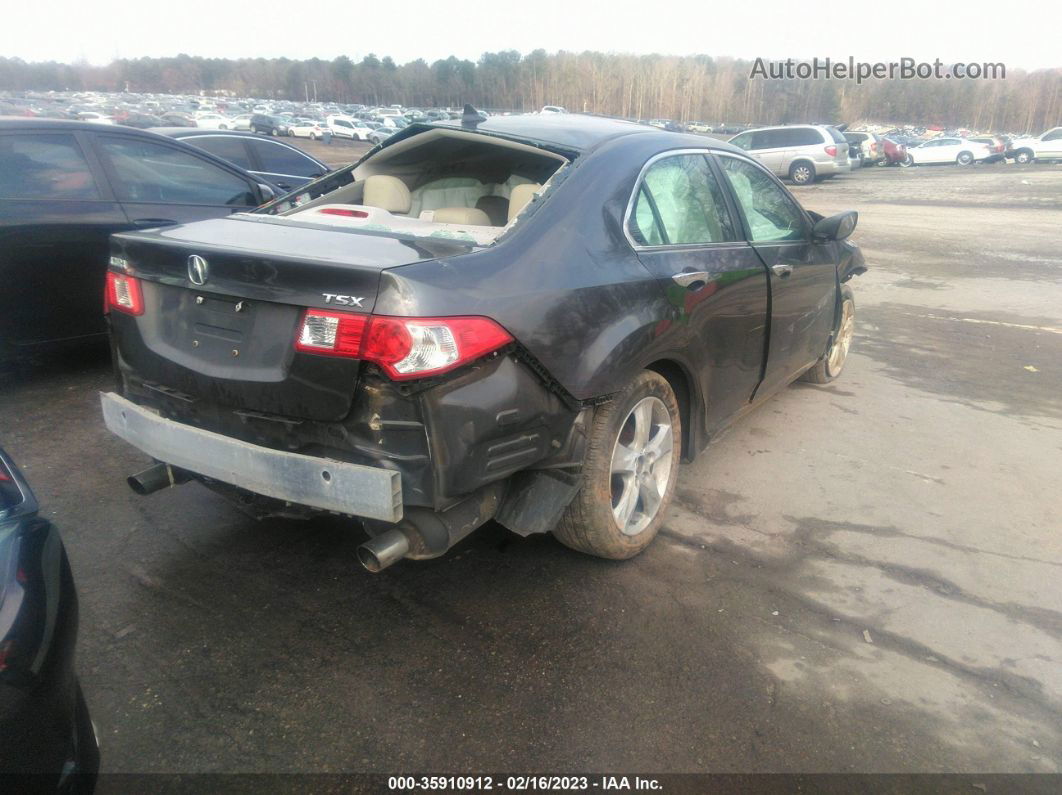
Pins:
x: 1054, y: 135
x: 224, y: 146
x: 771, y: 214
x: 680, y: 203
x: 279, y: 159
x: 44, y: 166
x: 834, y: 134
x: 150, y: 172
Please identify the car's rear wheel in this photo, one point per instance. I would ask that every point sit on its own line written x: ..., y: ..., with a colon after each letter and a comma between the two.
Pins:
x: 275, y: 132
x: 832, y: 363
x: 964, y: 158
x: 882, y: 162
x: 907, y: 162
x: 313, y: 136
x: 802, y: 173
x: 629, y: 473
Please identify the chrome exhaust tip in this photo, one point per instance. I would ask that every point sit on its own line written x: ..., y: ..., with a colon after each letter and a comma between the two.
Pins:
x: 384, y: 550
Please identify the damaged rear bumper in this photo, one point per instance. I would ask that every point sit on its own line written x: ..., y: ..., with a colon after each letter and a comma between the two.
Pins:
x: 329, y: 485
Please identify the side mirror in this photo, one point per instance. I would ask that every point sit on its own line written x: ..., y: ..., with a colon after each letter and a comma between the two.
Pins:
x: 267, y: 193
x: 836, y: 227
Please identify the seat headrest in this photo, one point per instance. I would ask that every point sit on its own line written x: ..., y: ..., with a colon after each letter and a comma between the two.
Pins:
x: 521, y: 195
x: 387, y: 193
x: 469, y: 216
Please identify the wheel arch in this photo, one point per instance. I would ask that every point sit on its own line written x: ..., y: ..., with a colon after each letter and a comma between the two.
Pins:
x: 681, y: 384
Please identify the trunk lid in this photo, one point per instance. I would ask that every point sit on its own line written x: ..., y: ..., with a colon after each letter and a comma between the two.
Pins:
x: 229, y: 342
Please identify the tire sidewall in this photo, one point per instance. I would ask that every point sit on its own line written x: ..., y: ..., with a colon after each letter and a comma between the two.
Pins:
x: 597, y: 486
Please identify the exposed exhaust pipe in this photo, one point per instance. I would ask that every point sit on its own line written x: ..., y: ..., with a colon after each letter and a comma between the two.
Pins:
x: 159, y: 476
x: 378, y: 553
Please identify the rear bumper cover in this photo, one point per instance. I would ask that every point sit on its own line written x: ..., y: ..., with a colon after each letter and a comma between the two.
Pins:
x: 329, y: 485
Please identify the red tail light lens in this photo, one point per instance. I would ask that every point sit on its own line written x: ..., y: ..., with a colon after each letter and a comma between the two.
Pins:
x: 344, y: 212
x: 403, y: 347
x: 124, y: 294
x: 831, y: 151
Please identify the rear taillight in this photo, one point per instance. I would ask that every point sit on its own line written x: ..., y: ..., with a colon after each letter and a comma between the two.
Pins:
x: 873, y: 147
x: 831, y: 151
x: 403, y: 347
x: 331, y: 333
x: 124, y: 294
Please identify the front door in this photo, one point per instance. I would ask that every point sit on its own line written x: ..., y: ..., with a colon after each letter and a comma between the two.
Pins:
x: 803, y: 274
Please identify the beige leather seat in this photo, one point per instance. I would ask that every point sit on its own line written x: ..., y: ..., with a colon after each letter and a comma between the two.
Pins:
x: 520, y: 197
x: 387, y: 193
x: 468, y: 216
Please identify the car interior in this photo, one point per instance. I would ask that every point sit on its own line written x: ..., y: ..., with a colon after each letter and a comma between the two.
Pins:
x: 437, y: 183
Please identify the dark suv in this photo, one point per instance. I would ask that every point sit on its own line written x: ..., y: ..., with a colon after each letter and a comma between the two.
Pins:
x: 269, y: 125
x: 525, y: 318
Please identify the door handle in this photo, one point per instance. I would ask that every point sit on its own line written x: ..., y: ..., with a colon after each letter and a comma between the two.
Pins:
x: 690, y: 278
x: 782, y: 270
x: 153, y: 222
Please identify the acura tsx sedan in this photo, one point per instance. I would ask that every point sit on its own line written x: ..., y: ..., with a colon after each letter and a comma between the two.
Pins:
x: 531, y: 319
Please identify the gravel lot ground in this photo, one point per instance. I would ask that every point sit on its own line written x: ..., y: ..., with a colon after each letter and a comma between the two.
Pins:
x: 857, y: 577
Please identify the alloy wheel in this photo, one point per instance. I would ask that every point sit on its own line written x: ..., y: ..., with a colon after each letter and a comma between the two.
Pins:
x: 641, y: 465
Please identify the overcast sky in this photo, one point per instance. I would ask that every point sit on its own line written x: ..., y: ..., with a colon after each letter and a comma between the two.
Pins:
x: 1021, y: 35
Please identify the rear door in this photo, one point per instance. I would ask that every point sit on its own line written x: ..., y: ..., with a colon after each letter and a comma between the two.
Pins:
x: 803, y: 274
x: 56, y: 213
x: 160, y: 184
x: 688, y: 235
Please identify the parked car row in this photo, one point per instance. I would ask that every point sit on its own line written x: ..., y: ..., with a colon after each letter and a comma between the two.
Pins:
x: 800, y: 153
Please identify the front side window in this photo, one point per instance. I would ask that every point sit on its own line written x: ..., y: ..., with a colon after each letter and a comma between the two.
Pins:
x: 223, y: 146
x: 150, y: 172
x: 279, y: 159
x: 771, y: 214
x: 680, y: 203
x: 40, y: 166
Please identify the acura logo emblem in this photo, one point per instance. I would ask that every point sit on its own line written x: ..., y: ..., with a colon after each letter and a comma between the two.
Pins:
x: 197, y: 269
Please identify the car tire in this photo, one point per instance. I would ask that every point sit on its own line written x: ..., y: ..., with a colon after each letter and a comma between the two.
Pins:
x: 802, y: 173
x: 964, y: 159
x: 882, y: 162
x: 275, y: 132
x: 291, y: 133
x: 907, y: 162
x: 631, y: 462
x: 1023, y: 157
x: 832, y: 362
x: 313, y: 136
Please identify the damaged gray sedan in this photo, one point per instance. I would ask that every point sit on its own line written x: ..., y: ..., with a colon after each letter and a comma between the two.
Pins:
x: 530, y: 319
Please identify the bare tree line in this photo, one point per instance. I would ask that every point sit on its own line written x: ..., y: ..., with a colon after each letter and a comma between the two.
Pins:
x: 684, y: 88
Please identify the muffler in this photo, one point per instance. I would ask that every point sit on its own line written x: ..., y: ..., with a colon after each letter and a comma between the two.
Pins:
x: 159, y: 476
x: 378, y: 553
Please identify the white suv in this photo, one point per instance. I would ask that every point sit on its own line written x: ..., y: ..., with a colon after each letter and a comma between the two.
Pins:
x: 1047, y: 147
x: 801, y: 152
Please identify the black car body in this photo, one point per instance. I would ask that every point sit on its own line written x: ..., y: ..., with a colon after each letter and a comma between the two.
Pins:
x: 46, y: 736
x: 355, y: 347
x: 64, y: 188
x: 279, y: 165
x: 269, y: 125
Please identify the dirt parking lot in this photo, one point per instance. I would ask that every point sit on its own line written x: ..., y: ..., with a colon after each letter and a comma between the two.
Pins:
x: 858, y: 577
